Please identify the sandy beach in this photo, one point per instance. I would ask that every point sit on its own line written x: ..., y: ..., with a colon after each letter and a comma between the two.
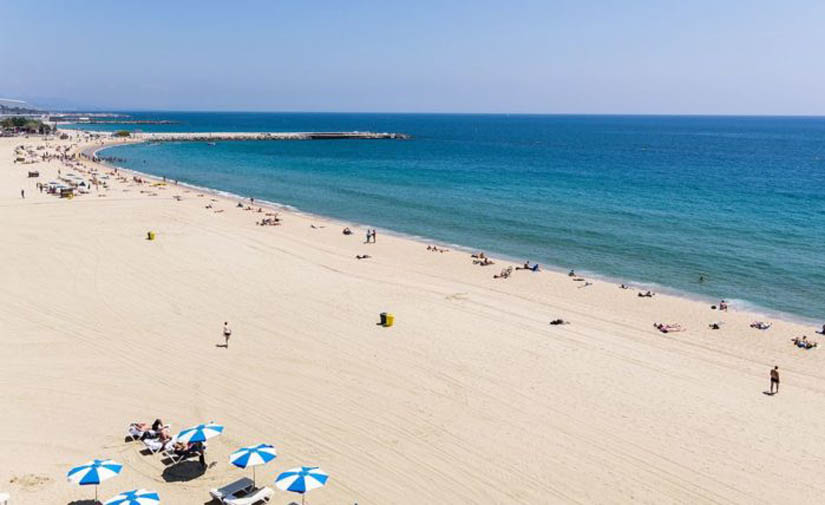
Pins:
x: 470, y: 398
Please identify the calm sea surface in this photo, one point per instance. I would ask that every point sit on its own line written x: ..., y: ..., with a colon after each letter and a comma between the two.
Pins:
x: 659, y: 200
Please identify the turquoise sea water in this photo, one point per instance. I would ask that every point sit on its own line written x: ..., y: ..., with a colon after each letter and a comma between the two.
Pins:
x: 658, y: 200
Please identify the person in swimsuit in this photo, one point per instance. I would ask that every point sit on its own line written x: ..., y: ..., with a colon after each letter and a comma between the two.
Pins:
x: 227, y: 332
x: 775, y: 380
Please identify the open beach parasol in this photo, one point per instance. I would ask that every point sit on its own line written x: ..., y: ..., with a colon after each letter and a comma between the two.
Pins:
x: 199, y: 433
x: 301, y: 479
x: 135, y: 497
x: 253, y: 456
x: 94, y: 472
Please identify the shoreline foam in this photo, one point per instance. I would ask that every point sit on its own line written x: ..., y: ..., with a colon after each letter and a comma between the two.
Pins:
x: 740, y: 304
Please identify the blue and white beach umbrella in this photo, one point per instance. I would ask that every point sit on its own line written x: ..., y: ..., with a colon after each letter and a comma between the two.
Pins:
x: 302, y: 479
x: 199, y: 433
x: 135, y: 497
x: 253, y: 456
x: 94, y: 472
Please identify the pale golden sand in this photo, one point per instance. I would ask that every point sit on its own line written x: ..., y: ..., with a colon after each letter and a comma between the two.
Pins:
x: 470, y: 398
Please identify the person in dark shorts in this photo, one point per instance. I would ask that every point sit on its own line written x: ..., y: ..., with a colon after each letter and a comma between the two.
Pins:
x: 775, y: 379
x: 227, y: 332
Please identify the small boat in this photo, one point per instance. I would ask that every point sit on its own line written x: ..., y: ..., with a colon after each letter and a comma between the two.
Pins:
x: 211, y: 144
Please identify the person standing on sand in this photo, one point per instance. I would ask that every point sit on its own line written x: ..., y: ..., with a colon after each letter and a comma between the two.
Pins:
x: 775, y: 379
x: 227, y: 332
x: 23, y: 194
x: 373, y: 235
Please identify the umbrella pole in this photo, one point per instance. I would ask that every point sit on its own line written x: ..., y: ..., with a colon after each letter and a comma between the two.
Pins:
x: 254, y: 483
x: 95, y: 493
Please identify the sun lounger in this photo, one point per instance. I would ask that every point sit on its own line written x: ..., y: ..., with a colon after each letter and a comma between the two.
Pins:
x: 135, y: 433
x: 170, y: 454
x: 155, y: 446
x: 4, y: 498
x: 243, y: 485
x: 255, y: 496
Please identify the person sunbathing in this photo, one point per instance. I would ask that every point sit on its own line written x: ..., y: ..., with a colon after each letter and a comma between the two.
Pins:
x: 823, y: 330
x: 648, y: 294
x: 505, y: 273
x: 362, y: 256
x: 479, y: 255
x: 723, y: 305
x: 668, y: 328
x: 526, y: 266
x: 760, y: 325
x: 556, y: 322
x: 804, y: 343
x: 347, y: 231
x: 715, y: 326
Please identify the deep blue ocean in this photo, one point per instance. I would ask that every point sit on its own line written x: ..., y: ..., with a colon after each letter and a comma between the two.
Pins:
x: 649, y: 199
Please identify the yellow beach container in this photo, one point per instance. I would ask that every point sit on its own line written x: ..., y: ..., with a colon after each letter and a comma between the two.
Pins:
x: 150, y: 235
x: 390, y: 320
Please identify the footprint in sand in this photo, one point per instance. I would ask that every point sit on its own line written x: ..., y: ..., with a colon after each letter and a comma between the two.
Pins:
x: 30, y: 481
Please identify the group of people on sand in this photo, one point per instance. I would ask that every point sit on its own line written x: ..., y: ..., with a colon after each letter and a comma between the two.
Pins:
x: 804, y: 343
x: 156, y: 437
x: 269, y: 221
x: 481, y: 259
x: 526, y: 266
x: 436, y: 249
x: 370, y: 236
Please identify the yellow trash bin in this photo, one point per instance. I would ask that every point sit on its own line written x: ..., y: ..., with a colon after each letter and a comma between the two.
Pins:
x: 150, y: 235
x: 390, y: 320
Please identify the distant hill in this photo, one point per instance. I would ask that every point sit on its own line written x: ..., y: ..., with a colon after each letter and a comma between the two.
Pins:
x: 9, y: 106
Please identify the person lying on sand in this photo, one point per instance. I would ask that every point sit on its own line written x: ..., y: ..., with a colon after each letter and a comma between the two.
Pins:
x: 240, y: 205
x: 803, y: 343
x: 556, y: 322
x: 668, y: 328
x: 505, y: 273
x: 760, y: 325
x: 479, y: 255
x: 347, y: 231
x: 715, y: 326
x: 483, y: 262
x: 586, y: 283
x: 648, y: 294
x: 362, y: 256
x: 624, y: 286
x: 823, y: 330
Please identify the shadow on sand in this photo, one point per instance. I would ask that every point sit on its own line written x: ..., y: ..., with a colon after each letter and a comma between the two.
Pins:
x: 183, y: 471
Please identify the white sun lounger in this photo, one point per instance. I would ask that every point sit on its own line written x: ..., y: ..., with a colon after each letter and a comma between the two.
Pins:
x: 169, y: 452
x: 134, y: 433
x: 4, y: 498
x: 243, y: 485
x: 256, y: 496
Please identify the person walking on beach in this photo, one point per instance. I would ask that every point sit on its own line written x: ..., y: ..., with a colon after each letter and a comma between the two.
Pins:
x: 775, y: 380
x: 23, y: 194
x: 373, y: 235
x: 227, y: 332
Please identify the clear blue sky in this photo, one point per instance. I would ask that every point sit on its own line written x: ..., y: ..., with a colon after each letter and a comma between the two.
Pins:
x: 694, y: 57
